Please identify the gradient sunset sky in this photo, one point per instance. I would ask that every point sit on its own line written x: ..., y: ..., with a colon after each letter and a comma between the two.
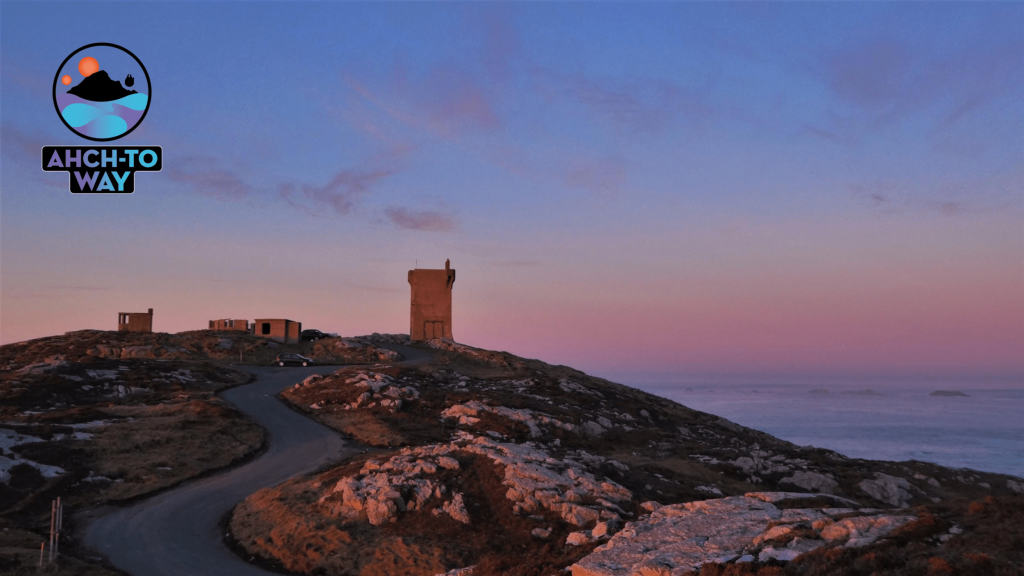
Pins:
x: 649, y: 189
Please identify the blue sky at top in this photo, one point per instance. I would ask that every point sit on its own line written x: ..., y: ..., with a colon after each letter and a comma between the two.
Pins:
x: 723, y: 145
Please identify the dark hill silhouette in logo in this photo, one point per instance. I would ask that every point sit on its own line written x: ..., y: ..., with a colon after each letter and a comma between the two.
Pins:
x: 98, y: 87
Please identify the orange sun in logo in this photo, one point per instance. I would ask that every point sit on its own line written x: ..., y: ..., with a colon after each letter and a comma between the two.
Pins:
x: 88, y: 65
x: 65, y: 80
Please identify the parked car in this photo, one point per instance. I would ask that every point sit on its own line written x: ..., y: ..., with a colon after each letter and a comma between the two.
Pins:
x: 292, y: 360
x: 312, y: 335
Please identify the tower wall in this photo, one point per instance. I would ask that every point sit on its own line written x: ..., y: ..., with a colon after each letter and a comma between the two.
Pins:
x: 431, y: 309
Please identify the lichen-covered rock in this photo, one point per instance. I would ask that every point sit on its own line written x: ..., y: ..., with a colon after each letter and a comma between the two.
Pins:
x: 892, y: 490
x: 650, y: 506
x: 579, y: 538
x: 534, y: 481
x: 592, y: 429
x: 607, y: 528
x: 812, y: 482
x: 456, y: 508
x: 468, y: 414
x: 682, y: 537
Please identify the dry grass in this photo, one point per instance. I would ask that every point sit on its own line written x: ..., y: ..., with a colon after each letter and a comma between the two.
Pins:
x: 166, y: 444
x: 19, y: 556
x: 163, y: 425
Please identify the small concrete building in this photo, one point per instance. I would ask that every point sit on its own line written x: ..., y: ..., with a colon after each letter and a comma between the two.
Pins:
x: 431, y: 310
x: 135, y: 321
x: 229, y: 324
x: 286, y: 331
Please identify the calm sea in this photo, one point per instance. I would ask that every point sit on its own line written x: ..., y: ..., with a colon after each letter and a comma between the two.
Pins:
x: 983, y: 431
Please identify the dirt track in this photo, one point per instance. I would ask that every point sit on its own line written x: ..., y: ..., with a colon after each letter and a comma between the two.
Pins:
x: 178, y: 532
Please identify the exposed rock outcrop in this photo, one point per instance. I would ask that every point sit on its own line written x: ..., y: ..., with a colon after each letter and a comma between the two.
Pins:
x: 889, y: 489
x: 535, y: 481
x: 468, y: 414
x: 812, y: 481
x: 682, y: 537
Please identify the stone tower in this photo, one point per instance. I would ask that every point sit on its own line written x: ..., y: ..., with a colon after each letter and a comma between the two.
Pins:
x: 431, y: 311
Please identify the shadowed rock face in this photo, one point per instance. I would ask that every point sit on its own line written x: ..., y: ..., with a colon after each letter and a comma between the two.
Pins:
x: 98, y: 87
x: 681, y: 537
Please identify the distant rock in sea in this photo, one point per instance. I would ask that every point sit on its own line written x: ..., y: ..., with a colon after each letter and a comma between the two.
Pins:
x: 949, y: 393
x: 865, y: 392
x: 819, y: 391
x: 98, y: 87
x: 689, y: 390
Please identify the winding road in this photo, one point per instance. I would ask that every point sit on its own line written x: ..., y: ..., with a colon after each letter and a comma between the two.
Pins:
x: 178, y: 532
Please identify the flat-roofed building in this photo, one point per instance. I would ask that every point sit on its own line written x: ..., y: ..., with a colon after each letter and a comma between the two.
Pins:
x: 135, y: 321
x: 229, y: 324
x: 279, y: 329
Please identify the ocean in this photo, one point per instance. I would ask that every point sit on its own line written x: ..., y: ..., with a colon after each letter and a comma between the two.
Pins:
x: 982, y: 431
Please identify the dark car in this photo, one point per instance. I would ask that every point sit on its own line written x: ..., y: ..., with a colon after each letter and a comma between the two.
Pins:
x: 292, y: 360
x: 312, y: 335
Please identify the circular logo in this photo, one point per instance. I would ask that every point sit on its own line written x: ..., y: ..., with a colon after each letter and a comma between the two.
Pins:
x: 101, y: 92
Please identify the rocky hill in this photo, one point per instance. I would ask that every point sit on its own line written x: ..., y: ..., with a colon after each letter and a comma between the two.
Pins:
x: 100, y: 417
x: 483, y: 463
x: 476, y: 462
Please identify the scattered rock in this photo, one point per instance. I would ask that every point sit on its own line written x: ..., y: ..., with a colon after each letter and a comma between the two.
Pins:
x: 456, y: 508
x: 892, y: 490
x: 578, y: 539
x: 607, y: 528
x: 812, y: 481
x: 650, y: 506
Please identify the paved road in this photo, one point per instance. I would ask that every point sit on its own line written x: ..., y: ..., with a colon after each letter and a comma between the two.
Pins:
x: 177, y: 532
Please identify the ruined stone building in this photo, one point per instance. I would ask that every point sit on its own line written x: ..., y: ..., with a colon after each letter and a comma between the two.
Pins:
x: 286, y: 331
x: 135, y: 321
x: 229, y: 324
x: 431, y: 311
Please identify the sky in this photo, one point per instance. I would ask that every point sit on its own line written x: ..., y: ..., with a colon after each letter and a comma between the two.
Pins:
x: 638, y: 190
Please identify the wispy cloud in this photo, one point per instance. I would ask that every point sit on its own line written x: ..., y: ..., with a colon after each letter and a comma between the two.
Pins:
x: 425, y: 220
x: 889, y: 78
x: 339, y: 195
x: 954, y: 199
x: 19, y: 145
x: 603, y: 176
x: 447, y: 101
x: 207, y: 176
x: 639, y: 104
